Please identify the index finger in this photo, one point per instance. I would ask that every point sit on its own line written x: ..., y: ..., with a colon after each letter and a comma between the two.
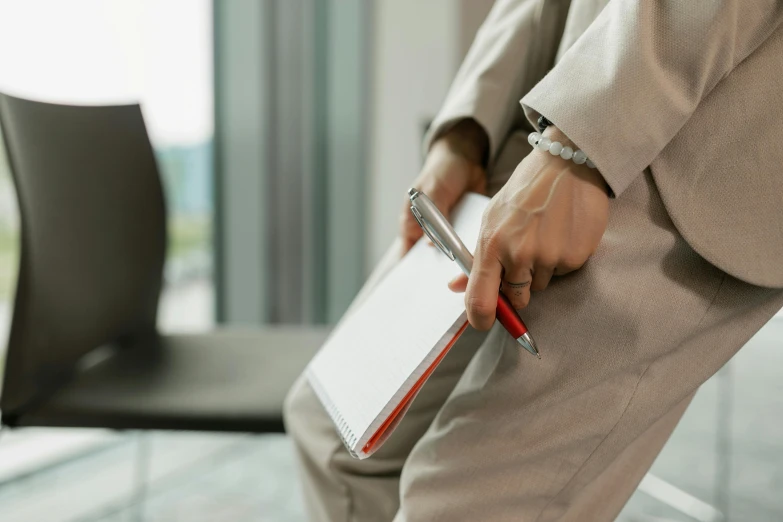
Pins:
x: 481, y: 296
x: 410, y: 231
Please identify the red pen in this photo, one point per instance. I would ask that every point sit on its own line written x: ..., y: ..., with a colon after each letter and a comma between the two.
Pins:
x: 443, y: 235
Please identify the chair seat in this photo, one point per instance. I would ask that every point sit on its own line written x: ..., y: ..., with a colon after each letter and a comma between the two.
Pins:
x: 226, y: 380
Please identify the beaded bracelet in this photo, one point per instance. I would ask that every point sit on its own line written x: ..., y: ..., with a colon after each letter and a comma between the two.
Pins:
x: 555, y: 148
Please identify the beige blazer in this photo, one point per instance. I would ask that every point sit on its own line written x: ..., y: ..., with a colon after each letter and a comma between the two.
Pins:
x: 691, y: 90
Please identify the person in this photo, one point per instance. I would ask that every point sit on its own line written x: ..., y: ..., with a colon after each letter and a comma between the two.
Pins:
x: 653, y: 268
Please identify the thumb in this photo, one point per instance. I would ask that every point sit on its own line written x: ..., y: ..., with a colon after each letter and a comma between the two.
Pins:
x: 459, y: 283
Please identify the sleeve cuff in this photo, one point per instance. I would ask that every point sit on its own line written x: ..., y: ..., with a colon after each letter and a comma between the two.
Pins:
x: 617, y: 172
x: 484, y: 114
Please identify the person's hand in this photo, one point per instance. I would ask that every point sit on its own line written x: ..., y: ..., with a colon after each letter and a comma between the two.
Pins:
x: 452, y: 168
x: 547, y: 220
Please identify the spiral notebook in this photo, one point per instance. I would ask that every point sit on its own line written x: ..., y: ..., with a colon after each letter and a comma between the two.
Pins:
x: 380, y: 354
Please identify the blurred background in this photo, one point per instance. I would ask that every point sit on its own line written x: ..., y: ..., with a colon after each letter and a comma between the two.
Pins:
x: 285, y: 134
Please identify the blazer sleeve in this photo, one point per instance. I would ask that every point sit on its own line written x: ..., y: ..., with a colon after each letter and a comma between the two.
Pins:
x: 489, y: 83
x: 632, y: 80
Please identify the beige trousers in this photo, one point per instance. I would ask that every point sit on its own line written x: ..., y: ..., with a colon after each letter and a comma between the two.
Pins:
x: 496, y: 435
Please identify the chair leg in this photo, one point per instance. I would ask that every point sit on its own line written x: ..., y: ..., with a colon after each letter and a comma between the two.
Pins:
x: 141, y: 474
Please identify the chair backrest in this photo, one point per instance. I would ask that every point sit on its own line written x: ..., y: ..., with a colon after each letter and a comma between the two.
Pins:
x: 93, y: 238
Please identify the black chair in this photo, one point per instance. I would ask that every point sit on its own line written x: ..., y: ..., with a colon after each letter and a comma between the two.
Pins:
x: 84, y: 349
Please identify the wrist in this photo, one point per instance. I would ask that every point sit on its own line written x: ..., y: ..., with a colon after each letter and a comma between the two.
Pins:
x: 555, y: 134
x: 468, y: 140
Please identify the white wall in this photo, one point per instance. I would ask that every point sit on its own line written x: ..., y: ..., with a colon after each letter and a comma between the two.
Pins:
x: 415, y: 57
x: 417, y: 49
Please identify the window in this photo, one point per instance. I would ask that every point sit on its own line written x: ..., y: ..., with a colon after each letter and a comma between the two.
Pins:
x: 159, y: 53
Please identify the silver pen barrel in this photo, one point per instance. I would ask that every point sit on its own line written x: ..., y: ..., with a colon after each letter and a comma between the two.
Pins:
x: 434, y: 223
x: 443, y: 235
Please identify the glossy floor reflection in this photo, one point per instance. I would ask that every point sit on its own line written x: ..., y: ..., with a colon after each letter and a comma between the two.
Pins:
x: 726, y: 454
x: 187, y: 477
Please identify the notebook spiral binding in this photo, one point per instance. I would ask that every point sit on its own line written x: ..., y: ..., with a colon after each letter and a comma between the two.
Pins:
x: 348, y: 437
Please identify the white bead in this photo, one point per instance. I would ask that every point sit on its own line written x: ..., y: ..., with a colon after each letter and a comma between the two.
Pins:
x: 567, y: 153
x: 555, y: 148
x: 544, y: 144
x: 590, y: 163
x: 533, y: 138
x: 579, y: 157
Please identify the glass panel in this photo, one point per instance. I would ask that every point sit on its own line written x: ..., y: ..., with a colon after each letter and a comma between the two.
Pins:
x: 159, y: 53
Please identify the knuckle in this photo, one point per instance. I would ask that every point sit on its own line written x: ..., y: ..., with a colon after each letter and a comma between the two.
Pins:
x: 522, y: 254
x: 572, y: 262
x: 547, y: 259
x: 489, y: 241
x: 479, y: 307
x: 481, y: 311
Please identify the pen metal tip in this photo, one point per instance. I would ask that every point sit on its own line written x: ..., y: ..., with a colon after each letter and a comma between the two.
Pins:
x: 527, y: 342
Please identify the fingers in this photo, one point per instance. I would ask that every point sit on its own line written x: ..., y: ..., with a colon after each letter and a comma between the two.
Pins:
x: 516, y: 285
x: 410, y: 231
x: 481, y: 296
x: 528, y: 267
x: 518, y: 280
x: 542, y: 274
x: 459, y: 284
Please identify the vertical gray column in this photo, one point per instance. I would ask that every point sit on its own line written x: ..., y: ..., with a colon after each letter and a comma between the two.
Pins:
x: 292, y: 87
x: 348, y: 88
x: 294, y: 205
x: 319, y: 227
x: 241, y: 141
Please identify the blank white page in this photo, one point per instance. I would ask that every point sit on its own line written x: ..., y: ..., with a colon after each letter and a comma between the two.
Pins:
x: 377, y: 353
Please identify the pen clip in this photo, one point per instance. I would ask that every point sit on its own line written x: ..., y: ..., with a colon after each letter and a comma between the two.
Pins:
x: 431, y: 233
